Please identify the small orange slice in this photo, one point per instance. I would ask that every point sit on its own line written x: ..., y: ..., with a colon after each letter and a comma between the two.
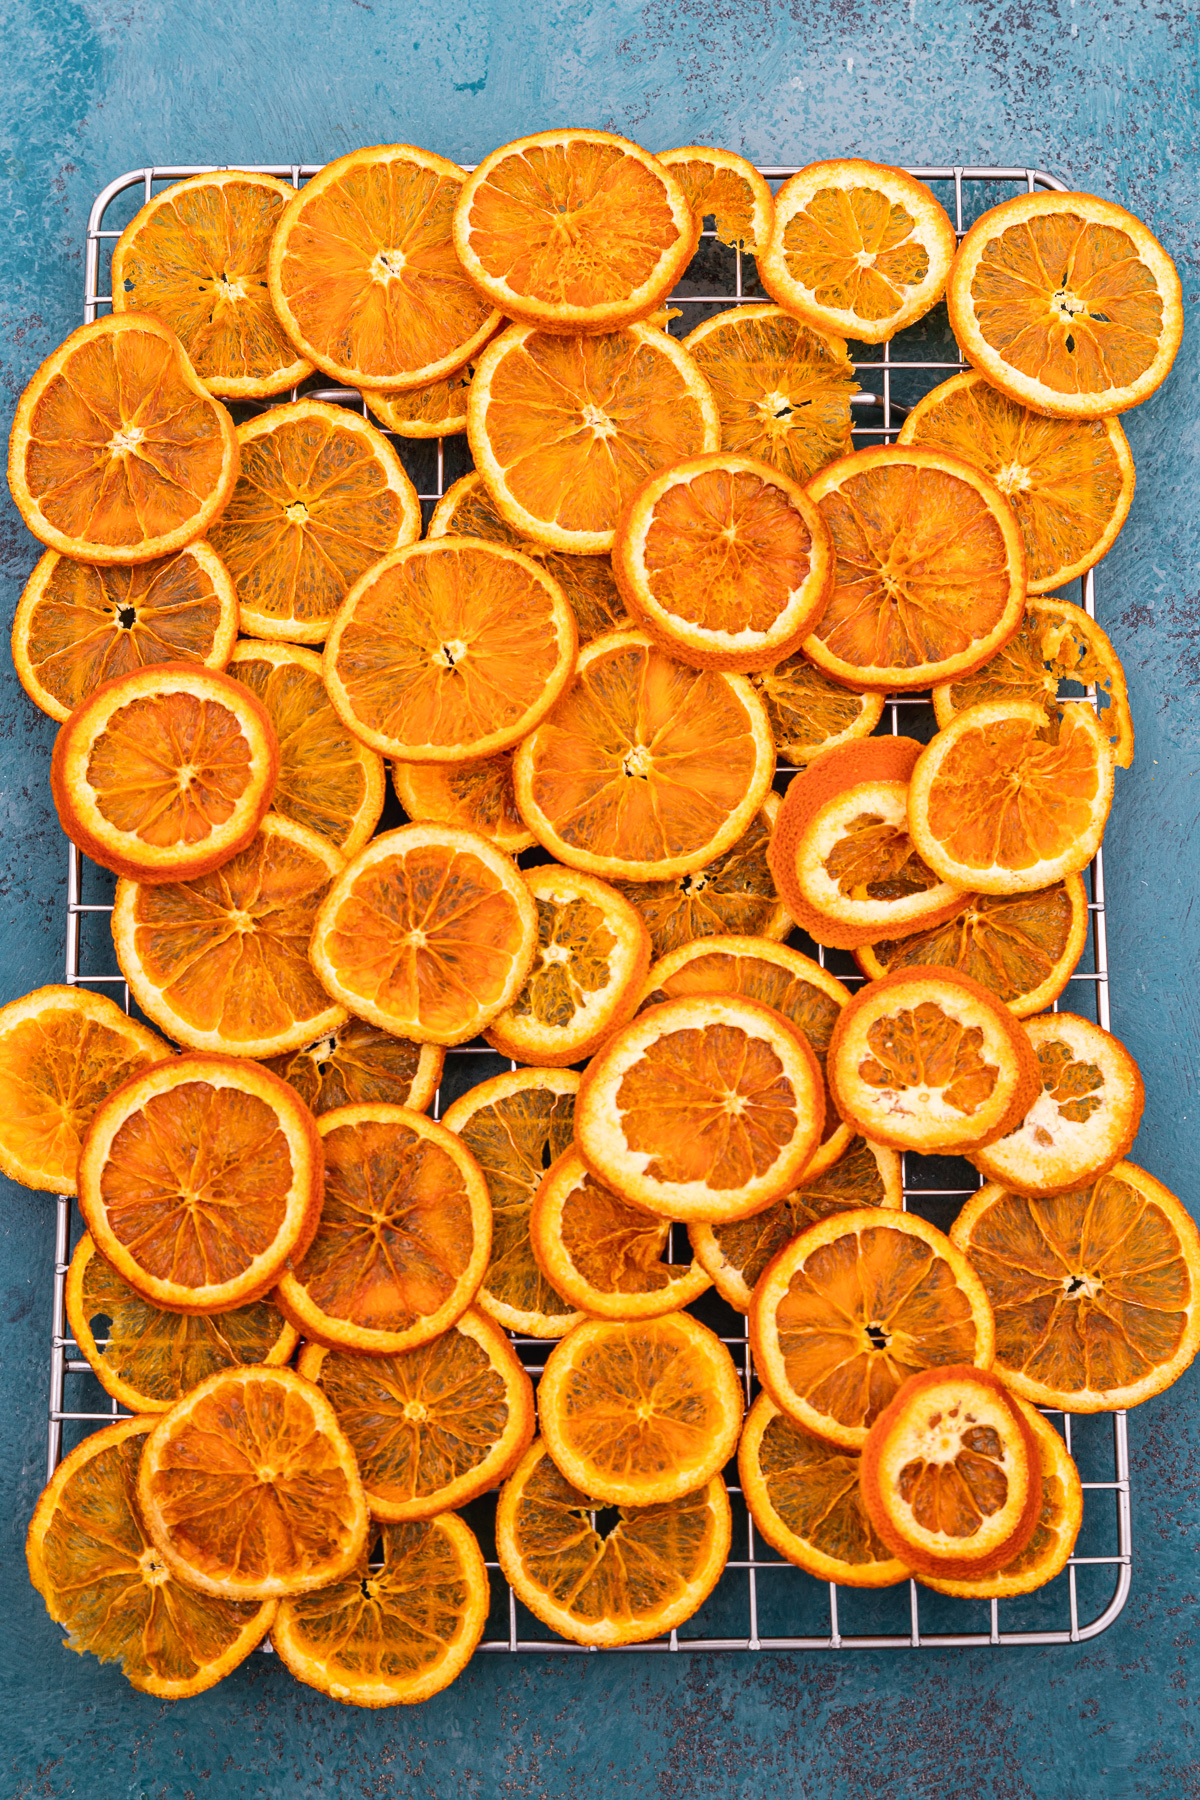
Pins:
x: 735, y: 892
x: 811, y: 714
x: 723, y: 187
x: 479, y: 795
x: 435, y: 411
x: 356, y: 1063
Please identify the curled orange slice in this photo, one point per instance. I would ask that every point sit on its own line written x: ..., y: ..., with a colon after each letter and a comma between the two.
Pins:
x: 725, y: 188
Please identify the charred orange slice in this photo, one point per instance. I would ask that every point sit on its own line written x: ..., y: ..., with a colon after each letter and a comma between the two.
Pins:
x: 811, y: 714
x: 356, y: 1063
x: 725, y: 188
x: 435, y: 411
x: 479, y: 795
x: 735, y: 892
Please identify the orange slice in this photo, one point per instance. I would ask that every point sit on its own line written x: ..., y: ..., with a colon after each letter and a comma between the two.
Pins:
x: 449, y: 651
x: 644, y: 769
x: 929, y: 577
x: 431, y: 1428
x: 221, y: 962
x: 93, y: 1564
x: 734, y: 892
x: 782, y: 390
x: 198, y: 1179
x: 356, y: 1063
x: 639, y: 1412
x: 852, y: 1307
x: 400, y: 1626
x: 195, y: 256
x: 150, y: 1358
x: 644, y: 1576
x: 858, y: 248
x: 1067, y: 303
x: 1070, y: 480
x: 428, y: 933
x: 951, y: 1473
x: 573, y: 230
x: 80, y: 624
x: 118, y: 454
x: 725, y: 188
x: 724, y: 561
x: 479, y: 795
x: 403, y: 1238
x: 1021, y: 947
x: 435, y: 411
x: 704, y: 1108
x: 1094, y: 1292
x: 811, y: 714
x: 320, y: 497
x: 804, y: 1499
x: 363, y: 274
x: 63, y: 1051
x: 1006, y: 799
x: 249, y: 1489
x: 565, y: 429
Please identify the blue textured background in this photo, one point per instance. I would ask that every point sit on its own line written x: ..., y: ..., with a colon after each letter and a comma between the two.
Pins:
x: 1106, y: 96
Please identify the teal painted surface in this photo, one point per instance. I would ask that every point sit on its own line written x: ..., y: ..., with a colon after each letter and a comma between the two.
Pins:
x: 1103, y: 94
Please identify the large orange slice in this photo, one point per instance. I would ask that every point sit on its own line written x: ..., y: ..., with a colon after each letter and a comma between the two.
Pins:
x: 734, y: 893
x: 356, y: 1063
x: 479, y: 795
x: 725, y: 188
x: 810, y: 714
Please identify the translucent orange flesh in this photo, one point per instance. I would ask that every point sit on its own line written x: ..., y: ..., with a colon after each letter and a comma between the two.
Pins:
x: 875, y: 860
x: 807, y: 710
x: 720, y: 194
x: 441, y: 403
x: 923, y: 1047
x: 616, y: 1248
x: 726, y: 552
x: 571, y: 965
x: 1015, y: 793
x: 514, y: 1139
x: 814, y: 1489
x: 1009, y: 944
x: 170, y: 768
x: 1075, y: 1086
x: 55, y: 1071
x: 855, y: 251
x: 354, y: 1066
x: 955, y: 1497
x: 782, y: 391
x: 322, y: 781
x: 476, y: 794
x: 639, y: 1405
x: 733, y: 893
x: 749, y: 1244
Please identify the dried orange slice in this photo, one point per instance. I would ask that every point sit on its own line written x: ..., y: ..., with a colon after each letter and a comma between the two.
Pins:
x: 1007, y: 799
x: 645, y: 769
x: 198, y: 1179
x: 804, y: 1499
x: 638, y: 1412
x: 573, y: 230
x: 734, y: 892
x: 363, y: 274
x: 1094, y: 1292
x: 80, y: 624
x: 150, y: 1358
x: 399, y: 1626
x: 725, y: 188
x: 857, y: 248
x: 320, y: 497
x: 429, y: 933
x: 165, y: 773
x: 435, y: 411
x: 811, y: 714
x: 707, y: 1107
x: 1070, y: 480
x: 951, y: 1473
x: 929, y: 577
x: 565, y: 429
x: 118, y: 454
x: 591, y: 961
x: 736, y: 1254
x: 221, y: 962
x: 1022, y: 947
x: 249, y: 1489
x: 644, y: 1576
x: 356, y: 1063
x: 63, y: 1051
x: 1067, y: 303
x: 403, y: 1238
x: 195, y: 256
x: 449, y: 651
x: 782, y: 390
x: 852, y: 1307
x: 479, y: 795
x: 434, y: 1427
x: 93, y: 1564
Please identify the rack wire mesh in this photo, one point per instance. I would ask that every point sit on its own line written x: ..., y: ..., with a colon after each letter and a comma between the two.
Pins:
x: 761, y: 1602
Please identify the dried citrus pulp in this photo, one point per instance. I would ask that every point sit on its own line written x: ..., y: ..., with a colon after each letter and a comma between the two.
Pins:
x: 479, y: 795
x: 852, y: 1307
x: 80, y: 624
x: 196, y: 257
x: 165, y: 773
x: 425, y: 412
x: 429, y: 932
x: 706, y: 1107
x: 432, y: 1427
x: 573, y: 231
x: 118, y: 454
x: 645, y: 769
x: 404, y: 1234
x: 91, y: 1560
x: 857, y: 248
x: 638, y: 1412
x: 221, y: 962
x: 249, y: 1489
x: 809, y: 713
x: 725, y: 188
x: 320, y: 496
x: 929, y: 576
x: 356, y: 1062
x: 734, y: 892
x: 1095, y: 1292
x: 198, y: 1179
x: 650, y: 1572
x: 363, y: 274
x: 1067, y: 303
x: 63, y: 1050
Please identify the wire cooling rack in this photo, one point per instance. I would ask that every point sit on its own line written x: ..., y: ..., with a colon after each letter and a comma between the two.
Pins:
x: 761, y: 1602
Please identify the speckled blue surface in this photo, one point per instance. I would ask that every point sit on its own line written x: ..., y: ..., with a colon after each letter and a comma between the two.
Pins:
x: 1106, y: 96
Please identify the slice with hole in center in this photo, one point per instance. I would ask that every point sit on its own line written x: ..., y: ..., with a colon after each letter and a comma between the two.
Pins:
x: 356, y: 1063
x: 734, y: 892
x: 724, y: 187
x: 811, y: 714
x: 479, y: 795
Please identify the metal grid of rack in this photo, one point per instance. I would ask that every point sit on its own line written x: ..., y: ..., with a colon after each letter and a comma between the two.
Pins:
x: 761, y: 1603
